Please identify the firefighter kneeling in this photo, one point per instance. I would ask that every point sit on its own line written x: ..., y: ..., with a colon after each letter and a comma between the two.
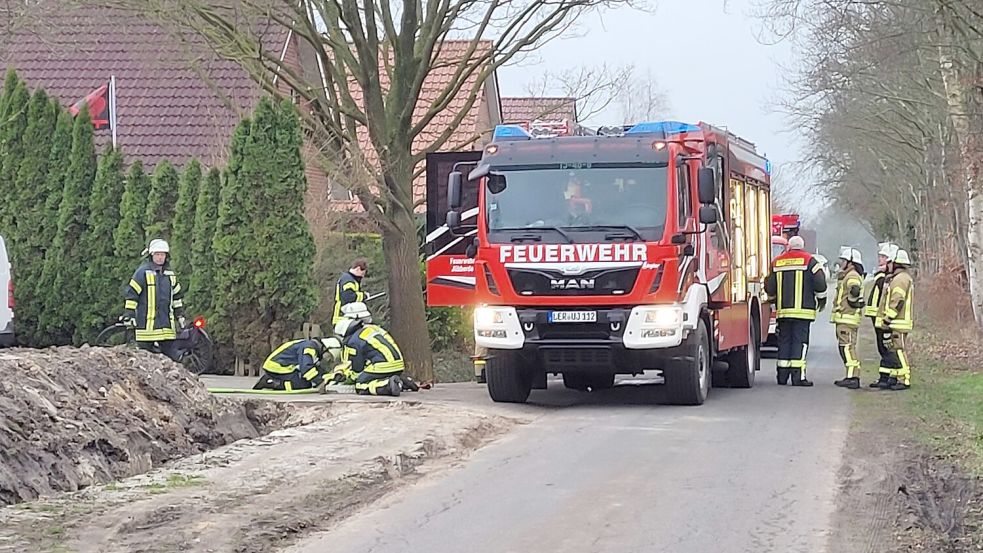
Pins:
x: 295, y: 365
x: 372, y: 357
x: 797, y: 286
x: 846, y: 314
x: 894, y: 319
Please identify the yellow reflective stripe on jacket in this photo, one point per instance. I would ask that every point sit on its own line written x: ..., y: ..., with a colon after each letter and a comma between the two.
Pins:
x: 136, y: 286
x: 130, y: 304
x: 905, y: 320
x: 874, y: 297
x: 385, y: 367
x: 311, y: 374
x: 151, y: 301
x: 143, y: 335
x: 272, y: 366
x: 843, y: 313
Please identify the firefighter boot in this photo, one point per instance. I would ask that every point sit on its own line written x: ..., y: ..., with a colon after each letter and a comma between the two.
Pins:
x: 898, y: 387
x: 409, y: 385
x: 880, y: 382
x: 783, y: 375
x: 852, y: 383
x: 888, y: 383
x: 797, y: 379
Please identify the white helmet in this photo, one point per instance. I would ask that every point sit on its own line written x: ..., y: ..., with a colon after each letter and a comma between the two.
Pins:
x: 158, y: 246
x: 850, y: 254
x: 796, y: 243
x: 356, y: 310
x: 901, y: 257
x: 346, y: 326
x: 887, y: 249
x: 333, y: 346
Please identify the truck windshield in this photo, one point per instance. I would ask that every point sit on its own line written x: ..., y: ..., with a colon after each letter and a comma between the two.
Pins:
x: 623, y: 201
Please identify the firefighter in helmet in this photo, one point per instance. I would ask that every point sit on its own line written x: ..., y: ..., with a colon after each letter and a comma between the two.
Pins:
x: 885, y: 252
x: 797, y: 287
x: 846, y: 313
x: 153, y: 301
x: 297, y: 365
x: 895, y: 321
x: 374, y: 357
x: 349, y: 287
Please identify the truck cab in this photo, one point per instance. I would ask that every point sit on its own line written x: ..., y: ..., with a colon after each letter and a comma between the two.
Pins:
x: 591, y: 256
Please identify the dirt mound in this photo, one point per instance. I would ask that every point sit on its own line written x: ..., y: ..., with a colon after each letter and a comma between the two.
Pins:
x: 74, y: 417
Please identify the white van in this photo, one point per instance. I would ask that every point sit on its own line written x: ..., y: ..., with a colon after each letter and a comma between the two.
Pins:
x: 7, y: 305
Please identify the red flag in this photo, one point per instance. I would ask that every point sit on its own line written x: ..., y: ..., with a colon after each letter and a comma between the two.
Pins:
x: 98, y: 101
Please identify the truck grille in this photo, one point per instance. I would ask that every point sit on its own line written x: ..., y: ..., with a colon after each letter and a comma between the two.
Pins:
x: 576, y: 358
x: 575, y: 331
x: 600, y: 282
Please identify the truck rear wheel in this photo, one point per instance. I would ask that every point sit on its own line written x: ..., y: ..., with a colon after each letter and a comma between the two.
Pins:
x: 583, y: 382
x: 688, y: 380
x: 744, y: 362
x: 509, y: 380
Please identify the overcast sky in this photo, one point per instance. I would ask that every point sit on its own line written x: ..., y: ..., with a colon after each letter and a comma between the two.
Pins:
x: 704, y: 54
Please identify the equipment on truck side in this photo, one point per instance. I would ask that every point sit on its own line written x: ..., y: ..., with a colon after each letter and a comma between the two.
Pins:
x: 596, y: 255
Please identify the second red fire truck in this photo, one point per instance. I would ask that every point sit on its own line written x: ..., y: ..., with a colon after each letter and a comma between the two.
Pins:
x: 592, y: 256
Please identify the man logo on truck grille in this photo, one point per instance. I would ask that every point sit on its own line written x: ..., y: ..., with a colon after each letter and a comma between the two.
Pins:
x: 572, y: 283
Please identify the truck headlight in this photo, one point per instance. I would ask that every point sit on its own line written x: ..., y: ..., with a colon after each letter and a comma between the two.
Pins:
x: 487, y: 316
x: 664, y: 316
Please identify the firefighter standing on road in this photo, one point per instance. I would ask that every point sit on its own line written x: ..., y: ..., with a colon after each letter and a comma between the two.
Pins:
x: 894, y: 319
x: 846, y: 313
x: 349, y: 288
x: 153, y: 301
x: 797, y: 287
x: 885, y: 252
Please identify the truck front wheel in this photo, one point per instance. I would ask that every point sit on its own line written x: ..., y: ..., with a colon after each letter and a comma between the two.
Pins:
x: 688, y: 379
x: 509, y: 380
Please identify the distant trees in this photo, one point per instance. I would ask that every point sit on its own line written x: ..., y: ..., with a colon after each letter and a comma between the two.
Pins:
x: 892, y: 109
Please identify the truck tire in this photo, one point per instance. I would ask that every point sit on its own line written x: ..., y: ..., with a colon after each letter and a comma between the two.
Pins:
x: 509, y: 380
x: 688, y: 381
x: 583, y: 382
x: 743, y: 363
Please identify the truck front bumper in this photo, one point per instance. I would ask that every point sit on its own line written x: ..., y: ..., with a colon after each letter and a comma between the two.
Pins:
x: 622, y: 340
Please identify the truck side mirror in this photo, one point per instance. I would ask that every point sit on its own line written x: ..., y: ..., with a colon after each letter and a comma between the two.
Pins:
x: 472, y: 250
x: 454, y: 181
x: 706, y: 187
x: 453, y: 220
x: 708, y: 214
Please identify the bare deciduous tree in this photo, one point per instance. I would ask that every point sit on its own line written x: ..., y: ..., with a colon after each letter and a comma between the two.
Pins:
x: 363, y: 109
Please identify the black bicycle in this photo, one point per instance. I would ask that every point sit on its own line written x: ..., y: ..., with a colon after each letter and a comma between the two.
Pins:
x: 194, y: 345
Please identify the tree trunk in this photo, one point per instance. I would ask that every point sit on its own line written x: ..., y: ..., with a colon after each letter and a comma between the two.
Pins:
x: 957, y: 100
x: 408, y: 316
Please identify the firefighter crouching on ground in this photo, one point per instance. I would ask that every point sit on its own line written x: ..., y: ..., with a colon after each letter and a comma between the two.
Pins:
x: 885, y: 252
x: 153, y: 299
x: 373, y: 356
x: 894, y: 318
x: 797, y: 287
x: 847, y: 312
x: 349, y: 288
x: 343, y: 373
x: 295, y: 365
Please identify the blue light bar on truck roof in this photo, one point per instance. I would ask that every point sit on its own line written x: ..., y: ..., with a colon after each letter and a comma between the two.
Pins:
x: 662, y: 127
x: 510, y: 132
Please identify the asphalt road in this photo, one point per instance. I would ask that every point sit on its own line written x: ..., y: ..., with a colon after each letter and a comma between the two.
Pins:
x: 749, y: 471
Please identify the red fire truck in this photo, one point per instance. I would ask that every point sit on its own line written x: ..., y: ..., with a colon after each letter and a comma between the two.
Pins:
x: 592, y: 256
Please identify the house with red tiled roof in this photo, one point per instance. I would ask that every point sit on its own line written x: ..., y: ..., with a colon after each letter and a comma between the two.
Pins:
x: 525, y: 109
x: 176, y: 99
